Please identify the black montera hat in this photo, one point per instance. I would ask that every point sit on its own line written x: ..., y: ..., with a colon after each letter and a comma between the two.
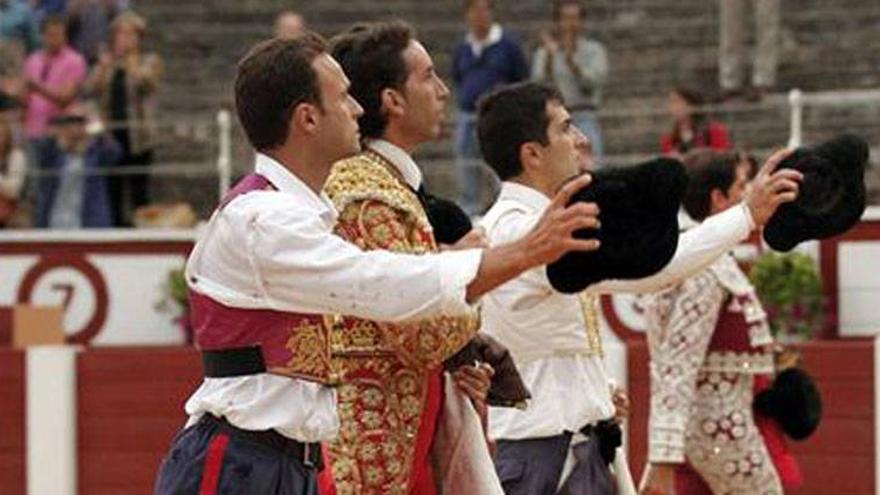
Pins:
x: 794, y: 402
x: 449, y: 221
x: 639, y: 225
x: 832, y: 193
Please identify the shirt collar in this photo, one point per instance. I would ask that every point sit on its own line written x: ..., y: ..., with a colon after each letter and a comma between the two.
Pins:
x: 494, y: 36
x: 286, y: 181
x: 532, y: 198
x: 401, y: 160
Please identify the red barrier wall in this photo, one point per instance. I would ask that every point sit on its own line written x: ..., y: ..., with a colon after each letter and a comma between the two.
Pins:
x: 12, y: 414
x: 130, y: 404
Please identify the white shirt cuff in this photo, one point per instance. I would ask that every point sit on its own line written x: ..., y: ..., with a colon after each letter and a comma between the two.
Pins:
x: 457, y: 270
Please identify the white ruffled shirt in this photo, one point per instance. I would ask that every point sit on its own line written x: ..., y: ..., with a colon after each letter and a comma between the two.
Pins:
x: 546, y: 331
x: 276, y: 250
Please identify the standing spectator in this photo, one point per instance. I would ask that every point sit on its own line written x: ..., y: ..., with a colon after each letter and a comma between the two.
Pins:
x: 488, y: 57
x: 90, y: 25
x: 13, y: 170
x: 18, y: 36
x: 53, y: 77
x: 125, y: 83
x: 289, y: 24
x: 80, y: 199
x: 691, y: 127
x: 576, y: 65
x: 731, y: 55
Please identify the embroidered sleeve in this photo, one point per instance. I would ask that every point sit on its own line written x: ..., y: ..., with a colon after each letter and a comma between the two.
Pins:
x: 681, y: 323
x: 424, y: 344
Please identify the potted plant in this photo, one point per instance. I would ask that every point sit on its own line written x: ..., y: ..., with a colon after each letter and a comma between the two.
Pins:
x: 790, y: 288
x: 175, y: 299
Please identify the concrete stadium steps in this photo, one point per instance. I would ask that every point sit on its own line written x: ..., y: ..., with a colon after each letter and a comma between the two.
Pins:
x: 653, y: 45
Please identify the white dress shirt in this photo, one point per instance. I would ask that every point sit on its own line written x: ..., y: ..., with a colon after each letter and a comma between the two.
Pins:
x: 546, y: 330
x: 401, y: 160
x: 276, y: 250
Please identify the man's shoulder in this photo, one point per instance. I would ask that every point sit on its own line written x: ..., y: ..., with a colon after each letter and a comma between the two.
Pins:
x: 364, y: 177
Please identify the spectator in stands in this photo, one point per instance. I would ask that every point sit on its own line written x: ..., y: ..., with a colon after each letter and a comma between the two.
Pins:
x: 732, y: 52
x: 289, y: 24
x: 19, y: 36
x: 90, y: 25
x: 488, y: 57
x: 13, y: 170
x: 44, y: 8
x: 18, y: 25
x: 691, y: 127
x: 578, y: 66
x: 53, y: 77
x: 125, y: 83
x: 80, y: 198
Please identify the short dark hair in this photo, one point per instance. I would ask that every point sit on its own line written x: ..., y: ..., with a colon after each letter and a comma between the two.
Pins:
x: 54, y: 20
x: 559, y: 4
x: 707, y: 170
x: 467, y: 4
x: 371, y: 54
x: 510, y: 117
x: 273, y: 78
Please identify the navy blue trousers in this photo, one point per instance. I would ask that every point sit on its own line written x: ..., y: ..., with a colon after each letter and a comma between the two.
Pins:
x: 208, y: 458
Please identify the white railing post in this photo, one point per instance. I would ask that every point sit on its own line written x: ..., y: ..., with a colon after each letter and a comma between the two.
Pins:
x: 224, y: 141
x: 796, y: 102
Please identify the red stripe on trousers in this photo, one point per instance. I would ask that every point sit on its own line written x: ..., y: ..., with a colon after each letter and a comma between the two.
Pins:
x: 213, y: 464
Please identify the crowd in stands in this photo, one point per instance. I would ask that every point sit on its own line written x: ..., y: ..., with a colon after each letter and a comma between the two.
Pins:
x: 77, y: 97
x: 76, y: 63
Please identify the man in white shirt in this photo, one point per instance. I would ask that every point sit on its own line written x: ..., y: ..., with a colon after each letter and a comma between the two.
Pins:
x: 379, y: 196
x: 269, y: 268
x: 554, y: 337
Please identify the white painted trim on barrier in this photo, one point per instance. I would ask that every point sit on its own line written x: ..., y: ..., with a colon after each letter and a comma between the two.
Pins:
x: 877, y: 414
x: 51, y: 420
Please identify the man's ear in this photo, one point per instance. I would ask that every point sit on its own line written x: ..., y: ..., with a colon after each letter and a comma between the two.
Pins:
x: 392, y: 102
x: 305, y: 119
x: 717, y: 199
x: 530, y: 155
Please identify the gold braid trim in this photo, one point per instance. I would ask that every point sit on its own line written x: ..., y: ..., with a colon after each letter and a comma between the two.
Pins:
x: 590, y: 308
x: 367, y: 176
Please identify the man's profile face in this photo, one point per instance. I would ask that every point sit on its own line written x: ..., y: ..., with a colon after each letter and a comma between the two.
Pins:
x: 338, y: 127
x: 568, y: 151
x: 424, y: 93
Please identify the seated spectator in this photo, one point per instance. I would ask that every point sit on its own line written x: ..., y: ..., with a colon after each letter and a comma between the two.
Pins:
x: 13, y: 170
x: 81, y: 198
x: 691, y: 127
x: 53, y: 77
x: 90, y: 22
x: 125, y: 83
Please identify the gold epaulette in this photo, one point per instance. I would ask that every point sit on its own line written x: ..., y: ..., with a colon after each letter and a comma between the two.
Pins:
x: 367, y: 176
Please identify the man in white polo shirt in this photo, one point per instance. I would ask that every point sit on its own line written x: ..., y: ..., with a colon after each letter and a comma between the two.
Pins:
x: 527, y: 136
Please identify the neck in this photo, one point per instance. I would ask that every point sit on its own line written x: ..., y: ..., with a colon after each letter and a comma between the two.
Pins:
x: 304, y: 164
x: 527, y: 180
x: 480, y: 33
x: 401, y: 139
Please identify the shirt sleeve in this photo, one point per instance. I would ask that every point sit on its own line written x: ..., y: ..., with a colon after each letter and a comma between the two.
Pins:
x: 593, y: 65
x: 12, y: 182
x: 301, y: 266
x: 539, y: 62
x: 678, y: 342
x: 697, y: 248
